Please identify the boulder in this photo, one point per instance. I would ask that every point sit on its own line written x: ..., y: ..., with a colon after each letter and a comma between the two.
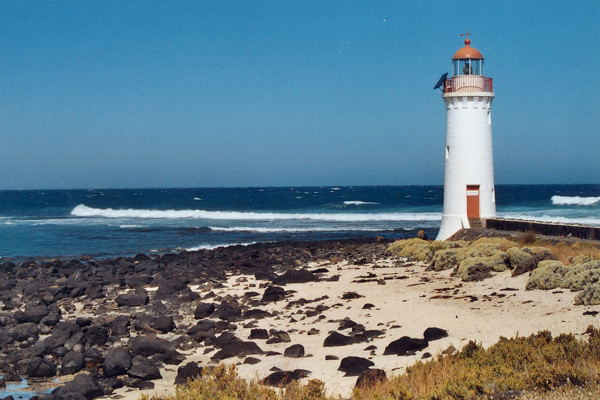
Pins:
x: 294, y: 351
x: 229, y: 312
x: 237, y: 349
x: 433, y: 333
x: 145, y: 371
x: 132, y: 300
x: 163, y: 323
x: 258, y: 333
x: 96, y: 335
x: 337, y: 339
x: 405, y: 346
x: 273, y: 293
x: 116, y: 362
x: 82, y: 386
x: 169, y: 287
x: 119, y: 326
x: 204, y: 329
x: 295, y: 276
x: 40, y: 368
x: 190, y: 370
x: 72, y: 363
x: 148, y: 346
x: 204, y: 310
x: 354, y: 366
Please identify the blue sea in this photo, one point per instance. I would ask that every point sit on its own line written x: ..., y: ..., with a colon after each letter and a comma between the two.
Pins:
x: 124, y: 222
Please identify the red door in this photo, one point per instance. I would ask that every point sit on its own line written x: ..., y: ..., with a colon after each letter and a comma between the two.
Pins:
x: 473, y: 201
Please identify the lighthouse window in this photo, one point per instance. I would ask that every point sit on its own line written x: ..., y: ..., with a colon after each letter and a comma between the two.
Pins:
x: 470, y: 66
x: 447, y: 152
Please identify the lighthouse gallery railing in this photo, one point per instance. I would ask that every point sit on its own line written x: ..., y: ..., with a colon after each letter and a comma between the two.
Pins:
x: 468, y: 83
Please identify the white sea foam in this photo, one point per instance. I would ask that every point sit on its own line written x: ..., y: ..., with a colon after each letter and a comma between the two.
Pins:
x: 85, y: 211
x: 130, y: 226
x: 215, y: 246
x: 262, y: 229
x: 575, y: 200
x: 358, y: 202
x: 551, y: 218
x: 197, y: 198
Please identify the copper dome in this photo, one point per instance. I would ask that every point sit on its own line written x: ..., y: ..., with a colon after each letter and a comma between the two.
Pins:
x: 467, y: 51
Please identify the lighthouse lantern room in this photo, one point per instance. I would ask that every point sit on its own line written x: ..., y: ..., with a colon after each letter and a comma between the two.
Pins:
x: 469, y: 194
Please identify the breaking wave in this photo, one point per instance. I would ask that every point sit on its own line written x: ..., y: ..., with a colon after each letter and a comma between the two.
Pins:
x: 358, y: 203
x: 215, y: 246
x: 84, y: 211
x: 260, y: 229
x: 575, y: 200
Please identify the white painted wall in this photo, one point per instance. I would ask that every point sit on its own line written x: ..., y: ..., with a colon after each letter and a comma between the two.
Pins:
x: 469, y: 158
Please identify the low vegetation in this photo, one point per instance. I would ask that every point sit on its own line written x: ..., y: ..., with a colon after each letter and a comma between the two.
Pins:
x: 535, y: 365
x: 572, y: 265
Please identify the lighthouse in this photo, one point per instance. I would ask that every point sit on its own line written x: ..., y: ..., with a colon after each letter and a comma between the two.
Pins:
x: 469, y: 194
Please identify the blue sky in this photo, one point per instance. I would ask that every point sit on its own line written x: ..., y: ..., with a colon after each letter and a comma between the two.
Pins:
x: 213, y: 93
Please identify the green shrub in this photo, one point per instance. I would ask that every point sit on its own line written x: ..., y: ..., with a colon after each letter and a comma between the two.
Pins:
x: 580, y: 280
x: 549, y: 274
x: 445, y: 259
x: 590, y: 296
x: 412, y: 249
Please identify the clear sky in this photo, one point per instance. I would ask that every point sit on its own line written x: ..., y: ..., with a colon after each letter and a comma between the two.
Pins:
x: 283, y: 93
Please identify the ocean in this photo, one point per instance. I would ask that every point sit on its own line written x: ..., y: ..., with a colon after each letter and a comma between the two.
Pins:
x: 124, y: 222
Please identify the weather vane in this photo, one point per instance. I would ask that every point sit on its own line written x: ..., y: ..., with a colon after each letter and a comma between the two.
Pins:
x: 466, y: 34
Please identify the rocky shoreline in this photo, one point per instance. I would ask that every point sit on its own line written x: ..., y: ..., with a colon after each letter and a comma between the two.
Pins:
x: 343, y: 312
x: 101, y: 319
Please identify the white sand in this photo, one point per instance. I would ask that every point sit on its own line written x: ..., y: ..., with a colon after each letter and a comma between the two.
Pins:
x: 405, y: 302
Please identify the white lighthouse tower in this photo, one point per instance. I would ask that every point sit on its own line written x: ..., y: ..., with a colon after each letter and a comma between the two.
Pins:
x: 469, y: 193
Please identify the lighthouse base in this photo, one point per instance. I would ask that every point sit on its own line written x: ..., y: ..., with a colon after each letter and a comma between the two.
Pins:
x: 452, y: 224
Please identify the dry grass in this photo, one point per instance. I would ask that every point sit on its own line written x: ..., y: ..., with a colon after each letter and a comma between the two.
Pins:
x: 566, y: 251
x: 563, y: 367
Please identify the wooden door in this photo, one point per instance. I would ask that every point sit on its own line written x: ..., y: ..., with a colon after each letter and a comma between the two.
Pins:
x: 473, y: 201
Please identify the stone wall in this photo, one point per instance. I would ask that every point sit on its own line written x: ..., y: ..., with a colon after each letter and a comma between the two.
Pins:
x: 544, y: 228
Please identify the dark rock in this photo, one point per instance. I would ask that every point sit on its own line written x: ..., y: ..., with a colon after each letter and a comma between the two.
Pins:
x: 294, y: 351
x: 116, y: 362
x: 371, y: 378
x: 202, y: 330
x: 72, y: 363
x: 354, y: 366
x: 431, y: 334
x: 337, y: 339
x: 225, y: 338
x: 426, y: 355
x: 405, y: 346
x: 96, y: 335
x: 34, y: 314
x: 346, y: 323
x: 273, y: 293
x: 173, y: 357
x: 256, y: 313
x: 169, y: 287
x: 83, y: 321
x: 331, y: 357
x: 237, y: 349
x: 295, y: 276
x: 190, y: 370
x: 147, y: 346
x: 229, y: 312
x: 82, y: 386
x: 251, y: 360
x: 422, y: 235
x: 204, y: 310
x: 350, y: 296
x: 119, y: 326
x: 145, y: 372
x: 258, y: 334
x: 279, y: 337
x: 163, y: 323
x: 40, y: 368
x: 25, y: 331
x: 132, y: 300
x: 51, y: 319
x: 368, y: 306
x: 282, y: 378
